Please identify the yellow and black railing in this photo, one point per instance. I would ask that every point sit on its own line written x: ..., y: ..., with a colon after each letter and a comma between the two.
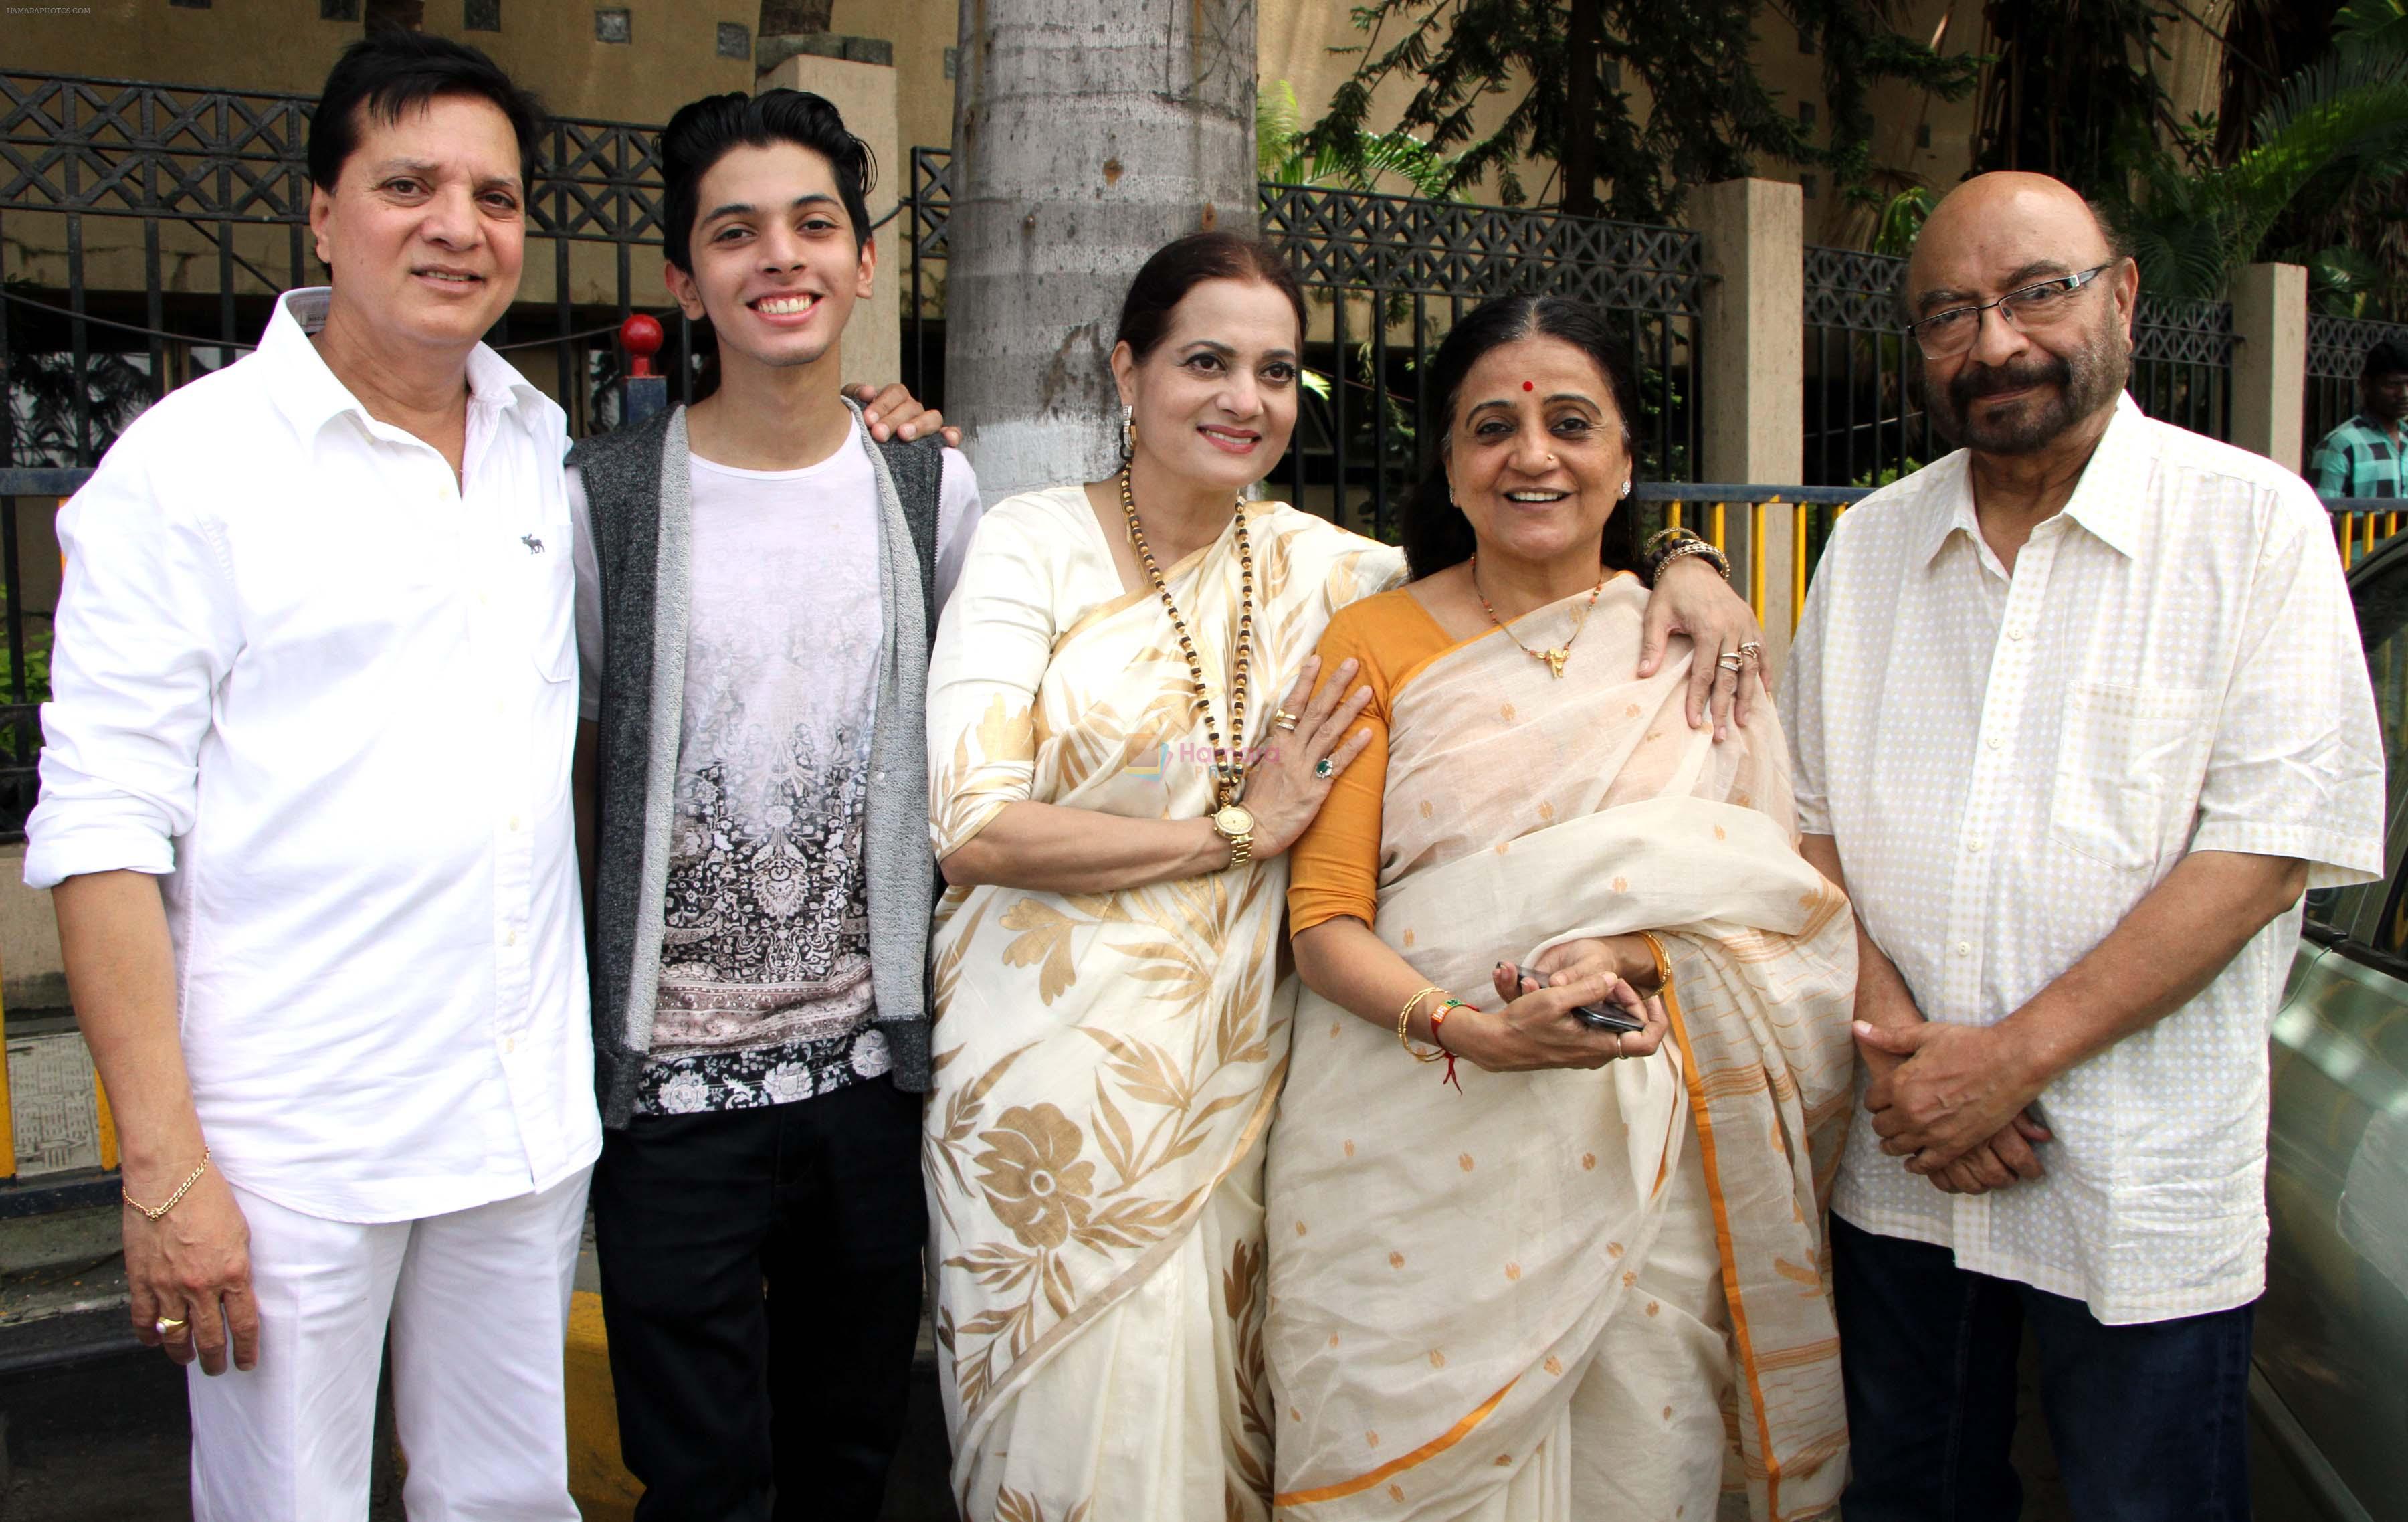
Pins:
x: 1771, y: 534
x: 2362, y: 522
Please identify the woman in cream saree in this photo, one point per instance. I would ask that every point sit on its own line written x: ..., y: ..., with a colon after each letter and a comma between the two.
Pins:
x: 1553, y: 1293
x: 1112, y: 1007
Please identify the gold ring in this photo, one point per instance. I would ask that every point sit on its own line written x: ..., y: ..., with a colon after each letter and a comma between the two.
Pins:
x: 168, y: 1324
x: 1283, y: 718
x: 1750, y: 651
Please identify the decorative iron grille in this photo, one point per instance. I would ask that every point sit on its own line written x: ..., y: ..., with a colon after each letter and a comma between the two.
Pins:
x: 1864, y: 419
x: 1389, y: 275
x: 2337, y: 349
x: 2182, y: 362
x: 1865, y: 422
x: 117, y: 175
x: 1394, y: 274
x: 930, y: 205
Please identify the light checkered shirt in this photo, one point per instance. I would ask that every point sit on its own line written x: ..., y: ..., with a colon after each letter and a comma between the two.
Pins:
x: 2008, y: 764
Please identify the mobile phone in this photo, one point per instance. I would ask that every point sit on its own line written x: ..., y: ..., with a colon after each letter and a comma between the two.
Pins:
x: 1596, y: 1016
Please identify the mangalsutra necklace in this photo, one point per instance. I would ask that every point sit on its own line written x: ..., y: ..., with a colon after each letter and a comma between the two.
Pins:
x: 1560, y: 653
x: 1229, y: 763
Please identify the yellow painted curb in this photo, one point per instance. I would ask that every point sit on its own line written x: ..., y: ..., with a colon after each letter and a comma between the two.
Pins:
x: 604, y: 1489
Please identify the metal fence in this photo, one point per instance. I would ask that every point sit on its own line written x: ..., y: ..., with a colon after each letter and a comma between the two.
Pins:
x: 1865, y: 422
x: 2337, y: 349
x: 1386, y: 276
x: 1864, y: 419
x: 1394, y: 274
x: 2182, y: 364
x: 148, y: 229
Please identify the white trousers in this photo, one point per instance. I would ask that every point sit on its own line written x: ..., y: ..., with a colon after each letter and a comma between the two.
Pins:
x: 478, y: 1305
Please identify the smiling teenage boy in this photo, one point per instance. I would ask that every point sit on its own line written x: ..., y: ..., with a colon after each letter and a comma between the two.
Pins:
x: 757, y: 583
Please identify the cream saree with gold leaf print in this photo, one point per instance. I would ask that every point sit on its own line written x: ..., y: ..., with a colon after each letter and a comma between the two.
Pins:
x: 1106, y: 1063
x: 1556, y: 1296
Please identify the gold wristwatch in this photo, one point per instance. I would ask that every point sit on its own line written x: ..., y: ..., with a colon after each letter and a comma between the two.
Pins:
x: 1236, y: 825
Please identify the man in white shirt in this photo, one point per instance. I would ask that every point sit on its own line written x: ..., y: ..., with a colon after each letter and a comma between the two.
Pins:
x: 757, y: 586
x: 2078, y: 712
x: 306, y: 809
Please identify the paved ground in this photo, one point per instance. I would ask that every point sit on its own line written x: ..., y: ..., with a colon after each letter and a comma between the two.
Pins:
x: 106, y: 1439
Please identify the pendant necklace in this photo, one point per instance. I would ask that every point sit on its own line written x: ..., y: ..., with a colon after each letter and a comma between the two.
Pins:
x: 1554, y: 657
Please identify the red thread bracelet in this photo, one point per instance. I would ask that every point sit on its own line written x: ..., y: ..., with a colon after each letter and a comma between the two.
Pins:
x: 1438, y: 1038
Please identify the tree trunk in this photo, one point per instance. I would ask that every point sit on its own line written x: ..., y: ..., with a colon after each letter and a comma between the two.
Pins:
x: 1586, y: 39
x: 1087, y: 135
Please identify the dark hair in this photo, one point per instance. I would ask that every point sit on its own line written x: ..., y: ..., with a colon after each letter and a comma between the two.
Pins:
x: 705, y: 131
x: 393, y: 72
x: 1436, y: 534
x: 1184, y: 264
x: 2388, y: 357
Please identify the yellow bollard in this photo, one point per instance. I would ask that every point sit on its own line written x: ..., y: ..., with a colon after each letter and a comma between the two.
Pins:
x: 1797, y: 523
x: 1672, y: 515
x: 1756, y: 558
x: 1715, y: 538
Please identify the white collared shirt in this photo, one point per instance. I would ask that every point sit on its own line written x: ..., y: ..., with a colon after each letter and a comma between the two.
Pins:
x: 2009, y: 764
x: 329, y: 695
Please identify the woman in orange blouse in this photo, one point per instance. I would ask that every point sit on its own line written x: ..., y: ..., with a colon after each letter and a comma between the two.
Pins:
x: 1531, y: 1290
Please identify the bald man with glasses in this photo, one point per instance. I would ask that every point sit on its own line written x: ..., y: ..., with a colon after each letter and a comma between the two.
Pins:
x: 2078, y: 711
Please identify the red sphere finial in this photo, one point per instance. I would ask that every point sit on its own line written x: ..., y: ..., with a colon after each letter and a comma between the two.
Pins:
x: 640, y: 335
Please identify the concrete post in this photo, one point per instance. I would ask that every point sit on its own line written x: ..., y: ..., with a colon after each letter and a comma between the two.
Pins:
x: 2269, y: 363
x: 864, y: 94
x: 1754, y: 384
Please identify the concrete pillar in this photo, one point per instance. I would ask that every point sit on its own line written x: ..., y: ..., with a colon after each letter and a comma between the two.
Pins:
x: 864, y: 93
x: 2269, y: 363
x: 1753, y: 385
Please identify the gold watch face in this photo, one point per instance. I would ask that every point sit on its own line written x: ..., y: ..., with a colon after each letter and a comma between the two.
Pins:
x: 1234, y: 821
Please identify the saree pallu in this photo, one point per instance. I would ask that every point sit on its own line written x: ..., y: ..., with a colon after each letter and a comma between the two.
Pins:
x: 1446, y: 1267
x: 1106, y: 1062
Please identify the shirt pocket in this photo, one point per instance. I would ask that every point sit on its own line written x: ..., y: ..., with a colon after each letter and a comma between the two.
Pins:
x: 2128, y: 760
x: 546, y: 581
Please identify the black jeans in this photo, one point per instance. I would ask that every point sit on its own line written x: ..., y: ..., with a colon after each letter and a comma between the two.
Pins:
x: 761, y: 1283
x: 2150, y: 1422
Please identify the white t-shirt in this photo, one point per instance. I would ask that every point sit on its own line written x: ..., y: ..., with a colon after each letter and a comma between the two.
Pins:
x: 764, y: 989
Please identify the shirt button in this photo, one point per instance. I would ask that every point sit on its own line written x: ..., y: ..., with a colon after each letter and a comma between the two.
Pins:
x: 511, y: 1044
x: 1994, y: 743
x: 2014, y: 633
x: 1964, y: 948
x: 511, y: 939
x: 483, y: 601
x: 878, y: 776
x: 514, y: 822
x: 1973, y: 842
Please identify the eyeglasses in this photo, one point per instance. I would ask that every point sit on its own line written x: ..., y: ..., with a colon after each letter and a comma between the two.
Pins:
x: 1946, y: 334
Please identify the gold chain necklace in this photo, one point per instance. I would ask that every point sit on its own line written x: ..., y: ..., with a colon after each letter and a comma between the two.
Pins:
x: 1229, y: 762
x: 1560, y: 653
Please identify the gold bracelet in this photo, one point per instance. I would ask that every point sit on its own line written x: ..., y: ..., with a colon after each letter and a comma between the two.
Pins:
x: 1404, y: 1018
x: 190, y: 1179
x: 1663, y: 964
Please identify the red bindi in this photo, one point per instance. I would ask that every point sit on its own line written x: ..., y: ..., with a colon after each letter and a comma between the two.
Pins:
x: 1530, y: 386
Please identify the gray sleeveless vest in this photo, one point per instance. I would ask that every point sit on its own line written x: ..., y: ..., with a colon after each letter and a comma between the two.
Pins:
x: 640, y: 496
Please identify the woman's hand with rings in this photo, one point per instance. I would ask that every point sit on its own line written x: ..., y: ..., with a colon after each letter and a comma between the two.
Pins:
x: 1692, y: 599
x: 1288, y: 785
x: 1535, y: 1028
x: 1628, y: 961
